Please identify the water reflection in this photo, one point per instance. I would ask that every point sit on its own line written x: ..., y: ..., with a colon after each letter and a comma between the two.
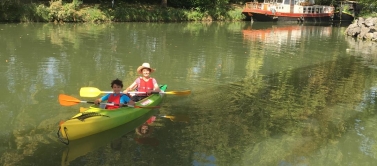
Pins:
x: 116, y: 137
x: 284, y: 34
x: 299, y: 114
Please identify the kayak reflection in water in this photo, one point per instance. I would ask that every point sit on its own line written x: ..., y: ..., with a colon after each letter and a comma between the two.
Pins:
x: 143, y: 135
x: 144, y: 131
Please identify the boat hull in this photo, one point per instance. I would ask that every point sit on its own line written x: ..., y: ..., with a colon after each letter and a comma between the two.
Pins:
x: 343, y: 16
x: 302, y: 12
x: 274, y: 18
x: 347, y: 10
x: 103, y: 119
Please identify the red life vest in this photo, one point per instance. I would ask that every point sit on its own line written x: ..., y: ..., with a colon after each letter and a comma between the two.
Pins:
x: 145, y: 86
x: 113, y: 99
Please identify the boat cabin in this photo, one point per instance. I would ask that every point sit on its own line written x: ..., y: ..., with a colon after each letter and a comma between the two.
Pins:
x: 291, y: 6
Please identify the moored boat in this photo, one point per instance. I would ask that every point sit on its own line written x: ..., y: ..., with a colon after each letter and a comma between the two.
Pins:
x: 95, y: 119
x: 346, y: 10
x: 288, y: 10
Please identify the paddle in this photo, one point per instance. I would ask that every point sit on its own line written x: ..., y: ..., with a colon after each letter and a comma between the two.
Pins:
x: 177, y: 118
x: 66, y: 100
x: 94, y: 92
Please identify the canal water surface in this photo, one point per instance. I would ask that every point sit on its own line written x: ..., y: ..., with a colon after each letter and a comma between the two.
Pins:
x: 261, y: 93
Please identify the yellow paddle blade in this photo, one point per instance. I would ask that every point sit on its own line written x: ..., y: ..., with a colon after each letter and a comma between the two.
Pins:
x: 89, y: 92
x: 178, y: 118
x: 66, y: 100
x: 179, y: 93
x: 82, y: 109
x: 94, y: 92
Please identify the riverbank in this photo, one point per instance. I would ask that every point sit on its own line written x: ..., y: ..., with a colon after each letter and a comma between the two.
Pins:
x: 365, y: 29
x: 59, y: 11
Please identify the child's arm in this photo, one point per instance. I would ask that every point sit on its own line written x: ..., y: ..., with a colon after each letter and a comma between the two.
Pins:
x: 125, y: 100
x: 103, y: 98
x: 132, y: 86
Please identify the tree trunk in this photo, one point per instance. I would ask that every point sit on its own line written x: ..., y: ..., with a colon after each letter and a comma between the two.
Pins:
x: 164, y: 3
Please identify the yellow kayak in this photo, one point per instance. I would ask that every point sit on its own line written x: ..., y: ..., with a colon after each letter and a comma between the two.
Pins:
x: 95, y: 119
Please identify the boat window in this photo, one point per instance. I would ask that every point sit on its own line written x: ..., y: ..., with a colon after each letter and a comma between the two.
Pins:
x: 286, y: 2
x: 304, y: 10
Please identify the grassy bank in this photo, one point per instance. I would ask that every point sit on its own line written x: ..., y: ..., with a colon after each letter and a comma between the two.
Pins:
x: 77, y: 12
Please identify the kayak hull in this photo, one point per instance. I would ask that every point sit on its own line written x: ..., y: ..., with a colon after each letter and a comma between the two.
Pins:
x: 96, y: 120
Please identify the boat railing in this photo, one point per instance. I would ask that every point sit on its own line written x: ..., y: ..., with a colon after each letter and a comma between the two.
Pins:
x: 312, y: 9
x: 316, y: 9
x: 328, y: 9
x: 253, y: 5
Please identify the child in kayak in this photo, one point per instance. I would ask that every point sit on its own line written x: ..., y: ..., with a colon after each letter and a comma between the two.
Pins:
x: 145, y: 83
x: 117, y: 98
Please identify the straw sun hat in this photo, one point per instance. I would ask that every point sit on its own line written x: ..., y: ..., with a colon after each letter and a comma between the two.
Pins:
x: 144, y: 66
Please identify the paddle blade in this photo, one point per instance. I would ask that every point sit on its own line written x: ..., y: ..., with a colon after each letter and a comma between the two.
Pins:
x: 178, y: 118
x: 82, y: 109
x: 89, y: 92
x: 66, y: 100
x: 61, y: 122
x: 179, y: 93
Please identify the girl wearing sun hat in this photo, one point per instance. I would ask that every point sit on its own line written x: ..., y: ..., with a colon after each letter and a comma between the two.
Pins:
x: 145, y: 83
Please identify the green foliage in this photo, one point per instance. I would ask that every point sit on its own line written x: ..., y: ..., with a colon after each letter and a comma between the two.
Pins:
x: 369, y: 6
x: 324, y: 2
x: 9, y: 10
x: 235, y: 14
x: 75, y: 11
x: 43, y: 12
x: 60, y: 11
x: 194, y: 15
x: 92, y: 15
x: 34, y: 12
x: 198, y: 4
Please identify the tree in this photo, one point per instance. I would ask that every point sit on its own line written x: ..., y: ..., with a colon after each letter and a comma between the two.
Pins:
x: 164, y: 3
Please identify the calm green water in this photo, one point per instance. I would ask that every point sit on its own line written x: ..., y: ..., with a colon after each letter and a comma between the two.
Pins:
x: 262, y: 93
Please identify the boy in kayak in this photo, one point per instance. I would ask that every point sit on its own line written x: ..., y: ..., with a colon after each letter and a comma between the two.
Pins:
x: 117, y: 98
x: 145, y: 83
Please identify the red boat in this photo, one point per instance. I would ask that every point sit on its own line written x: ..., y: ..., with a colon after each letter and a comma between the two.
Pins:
x: 288, y: 10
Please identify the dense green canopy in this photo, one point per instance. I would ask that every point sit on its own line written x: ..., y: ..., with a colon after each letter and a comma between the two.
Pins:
x: 44, y: 10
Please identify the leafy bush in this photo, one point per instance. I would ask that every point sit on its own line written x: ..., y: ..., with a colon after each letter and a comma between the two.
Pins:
x: 42, y: 12
x: 93, y: 15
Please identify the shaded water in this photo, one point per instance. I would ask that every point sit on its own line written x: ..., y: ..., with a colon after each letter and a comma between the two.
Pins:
x: 262, y: 93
